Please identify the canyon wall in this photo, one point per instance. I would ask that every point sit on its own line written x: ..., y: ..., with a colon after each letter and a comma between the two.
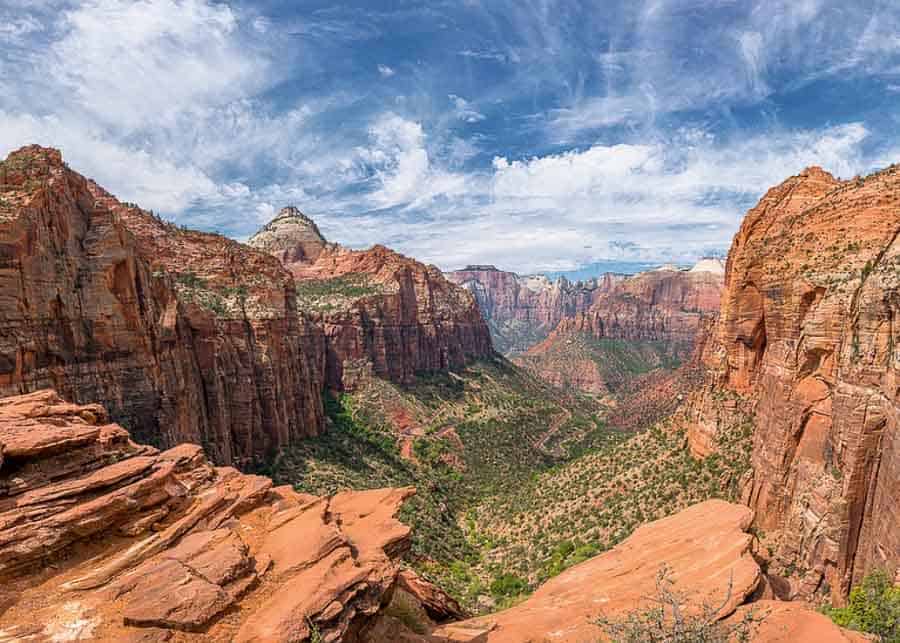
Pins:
x: 189, y: 336
x: 631, y: 336
x: 185, y: 336
x: 666, y: 305
x: 521, y: 311
x: 381, y: 312
x: 807, y: 345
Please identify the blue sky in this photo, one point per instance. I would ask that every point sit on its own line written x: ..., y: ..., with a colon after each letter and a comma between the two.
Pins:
x: 532, y: 134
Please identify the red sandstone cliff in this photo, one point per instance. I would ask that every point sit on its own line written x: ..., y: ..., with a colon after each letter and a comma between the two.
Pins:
x: 521, y: 311
x: 645, y: 322
x: 806, y: 344
x: 666, y: 305
x: 183, y: 335
x: 380, y: 311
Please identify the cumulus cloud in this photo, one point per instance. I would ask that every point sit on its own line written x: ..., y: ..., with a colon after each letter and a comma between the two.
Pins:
x: 385, y: 71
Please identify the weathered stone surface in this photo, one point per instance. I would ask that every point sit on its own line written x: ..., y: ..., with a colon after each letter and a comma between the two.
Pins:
x: 522, y: 310
x: 221, y: 555
x: 806, y: 343
x: 380, y: 311
x: 653, y: 318
x: 666, y: 305
x: 184, y: 336
x: 706, y: 547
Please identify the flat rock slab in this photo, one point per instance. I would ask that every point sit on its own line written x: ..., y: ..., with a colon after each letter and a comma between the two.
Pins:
x: 706, y: 548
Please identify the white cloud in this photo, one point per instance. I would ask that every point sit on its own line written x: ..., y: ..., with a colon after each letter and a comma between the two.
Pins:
x: 385, y: 71
x: 680, y: 198
x: 400, y: 165
x: 135, y: 175
x: 131, y: 64
x: 464, y: 110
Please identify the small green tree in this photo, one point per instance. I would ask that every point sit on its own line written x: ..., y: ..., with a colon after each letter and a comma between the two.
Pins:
x: 873, y: 607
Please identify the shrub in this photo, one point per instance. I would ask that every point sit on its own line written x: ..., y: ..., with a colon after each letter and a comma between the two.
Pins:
x: 873, y: 607
x: 508, y: 586
x: 672, y: 621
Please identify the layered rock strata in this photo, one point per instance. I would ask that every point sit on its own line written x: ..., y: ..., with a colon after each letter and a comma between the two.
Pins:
x: 522, y: 310
x: 806, y: 344
x: 666, y: 305
x: 184, y: 336
x: 107, y: 540
x: 646, y: 322
x: 381, y: 312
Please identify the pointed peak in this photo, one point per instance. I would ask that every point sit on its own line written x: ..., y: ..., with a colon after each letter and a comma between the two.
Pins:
x: 291, y: 236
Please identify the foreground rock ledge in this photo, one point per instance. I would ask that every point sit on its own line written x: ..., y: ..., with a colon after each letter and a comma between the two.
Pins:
x: 707, y: 549
x: 104, y: 539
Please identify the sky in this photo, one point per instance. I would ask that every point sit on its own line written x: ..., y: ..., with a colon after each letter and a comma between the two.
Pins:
x: 536, y: 135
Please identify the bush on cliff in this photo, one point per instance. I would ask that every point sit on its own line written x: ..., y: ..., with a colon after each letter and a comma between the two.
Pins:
x: 873, y: 607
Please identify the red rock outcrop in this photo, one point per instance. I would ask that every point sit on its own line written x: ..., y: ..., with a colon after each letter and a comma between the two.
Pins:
x: 380, y: 311
x: 103, y: 539
x: 666, y: 305
x: 522, y: 310
x: 647, y: 321
x: 707, y: 553
x: 806, y: 343
x: 185, y: 336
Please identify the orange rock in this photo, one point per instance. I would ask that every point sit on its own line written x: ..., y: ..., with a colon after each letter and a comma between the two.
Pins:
x: 398, y: 316
x: 806, y: 338
x: 138, y: 545
x: 524, y: 309
x: 706, y: 547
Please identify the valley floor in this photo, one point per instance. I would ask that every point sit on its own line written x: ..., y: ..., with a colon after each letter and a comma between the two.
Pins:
x: 517, y: 480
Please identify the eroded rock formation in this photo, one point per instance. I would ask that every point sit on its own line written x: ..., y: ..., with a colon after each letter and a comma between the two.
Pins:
x: 707, y: 553
x: 104, y: 539
x: 522, y: 310
x: 644, y: 322
x: 806, y: 344
x: 380, y: 311
x: 185, y: 336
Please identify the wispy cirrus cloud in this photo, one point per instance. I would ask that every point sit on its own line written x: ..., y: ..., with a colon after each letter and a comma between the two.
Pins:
x: 536, y: 134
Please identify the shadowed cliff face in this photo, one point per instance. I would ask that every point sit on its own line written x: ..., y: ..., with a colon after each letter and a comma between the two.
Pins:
x: 807, y: 336
x: 521, y: 311
x: 185, y: 336
x: 380, y: 311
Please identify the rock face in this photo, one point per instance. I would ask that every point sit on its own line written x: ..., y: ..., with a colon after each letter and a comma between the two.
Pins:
x: 104, y: 539
x: 521, y: 311
x: 380, y: 311
x: 807, y: 341
x: 666, y: 305
x: 708, y: 554
x: 185, y: 336
x: 188, y: 336
x: 644, y: 322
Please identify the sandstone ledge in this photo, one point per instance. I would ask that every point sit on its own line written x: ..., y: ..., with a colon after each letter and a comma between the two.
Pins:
x: 104, y: 539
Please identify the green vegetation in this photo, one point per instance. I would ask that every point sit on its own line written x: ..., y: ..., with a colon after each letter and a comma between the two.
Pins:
x: 873, y: 607
x: 222, y: 301
x: 516, y: 481
x: 327, y: 295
